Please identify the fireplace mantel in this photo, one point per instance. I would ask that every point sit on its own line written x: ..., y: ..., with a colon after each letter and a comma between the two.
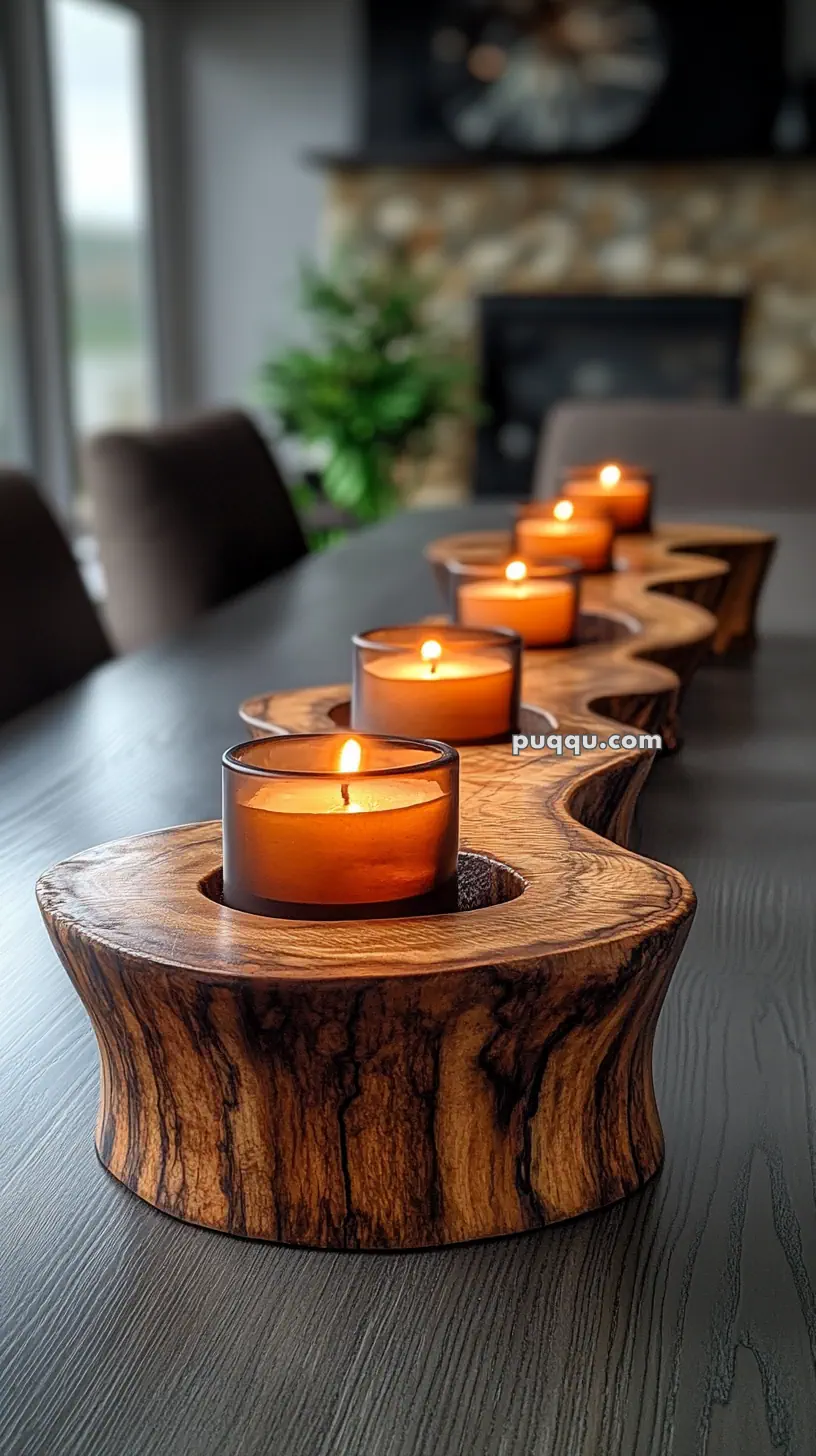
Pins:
x: 431, y: 160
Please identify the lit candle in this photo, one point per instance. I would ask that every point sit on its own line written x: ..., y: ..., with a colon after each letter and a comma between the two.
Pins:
x: 314, y: 823
x: 457, y: 685
x: 540, y: 603
x: 566, y: 528
x: 624, y: 490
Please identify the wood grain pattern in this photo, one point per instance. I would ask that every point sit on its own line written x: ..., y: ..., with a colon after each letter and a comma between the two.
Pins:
x: 678, y: 1322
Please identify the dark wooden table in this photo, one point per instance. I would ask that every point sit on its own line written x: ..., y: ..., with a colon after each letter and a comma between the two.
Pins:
x: 681, y: 1321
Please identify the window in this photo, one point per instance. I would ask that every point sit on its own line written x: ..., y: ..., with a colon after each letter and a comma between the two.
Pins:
x: 13, y: 449
x: 96, y: 52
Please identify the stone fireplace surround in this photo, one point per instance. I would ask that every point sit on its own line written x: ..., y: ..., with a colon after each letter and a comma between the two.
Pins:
x: 735, y: 227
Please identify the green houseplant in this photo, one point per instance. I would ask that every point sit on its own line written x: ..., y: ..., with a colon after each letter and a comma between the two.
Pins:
x: 372, y: 385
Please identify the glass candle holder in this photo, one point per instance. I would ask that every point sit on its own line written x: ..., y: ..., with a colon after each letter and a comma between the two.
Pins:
x: 626, y: 491
x: 538, y: 601
x: 327, y: 826
x: 459, y: 684
x: 556, y: 528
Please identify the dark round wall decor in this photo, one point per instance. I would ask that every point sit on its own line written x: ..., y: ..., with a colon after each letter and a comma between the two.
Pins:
x: 547, y: 75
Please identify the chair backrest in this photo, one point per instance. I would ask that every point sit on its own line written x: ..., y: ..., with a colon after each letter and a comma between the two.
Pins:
x: 50, y: 634
x: 704, y: 455
x: 186, y: 516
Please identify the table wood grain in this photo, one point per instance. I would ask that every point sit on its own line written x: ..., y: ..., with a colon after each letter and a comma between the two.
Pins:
x: 681, y: 1321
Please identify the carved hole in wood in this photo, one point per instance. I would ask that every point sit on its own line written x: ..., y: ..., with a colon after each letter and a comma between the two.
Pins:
x: 530, y: 720
x: 341, y: 713
x: 482, y: 882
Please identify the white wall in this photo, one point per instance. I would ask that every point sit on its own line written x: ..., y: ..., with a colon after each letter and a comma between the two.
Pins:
x: 261, y: 82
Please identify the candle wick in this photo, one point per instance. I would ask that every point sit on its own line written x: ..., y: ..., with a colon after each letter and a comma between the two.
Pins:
x: 344, y: 790
x: 432, y: 668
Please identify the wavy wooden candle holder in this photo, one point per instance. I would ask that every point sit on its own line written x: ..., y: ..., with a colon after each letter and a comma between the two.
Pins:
x: 643, y: 632
x: 392, y: 1084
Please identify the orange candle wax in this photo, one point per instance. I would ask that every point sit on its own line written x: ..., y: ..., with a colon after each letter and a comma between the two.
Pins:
x: 349, y: 838
x: 623, y: 491
x: 562, y: 528
x: 541, y: 609
x: 459, y: 697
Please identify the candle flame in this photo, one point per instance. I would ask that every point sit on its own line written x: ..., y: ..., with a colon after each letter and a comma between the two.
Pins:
x: 350, y: 756
x: 431, y: 651
x: 515, y: 571
x: 610, y: 475
x: 562, y: 510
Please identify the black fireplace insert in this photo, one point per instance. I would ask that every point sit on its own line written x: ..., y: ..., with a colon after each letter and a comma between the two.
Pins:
x: 539, y: 349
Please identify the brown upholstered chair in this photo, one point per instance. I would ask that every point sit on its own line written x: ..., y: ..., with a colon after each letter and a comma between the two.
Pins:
x: 705, y: 455
x: 50, y: 635
x: 186, y: 516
